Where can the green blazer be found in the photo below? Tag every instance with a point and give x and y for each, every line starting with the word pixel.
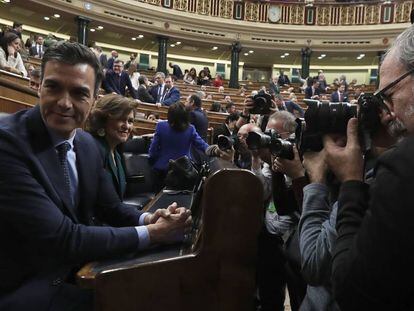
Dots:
pixel 115 169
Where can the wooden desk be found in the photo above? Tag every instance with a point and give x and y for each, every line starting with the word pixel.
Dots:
pixel 215 273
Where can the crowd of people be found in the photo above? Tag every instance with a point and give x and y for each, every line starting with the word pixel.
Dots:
pixel 335 220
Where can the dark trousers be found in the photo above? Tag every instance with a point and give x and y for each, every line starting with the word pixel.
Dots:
pixel 274 273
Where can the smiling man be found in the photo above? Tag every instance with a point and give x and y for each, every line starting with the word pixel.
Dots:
pixel 55 193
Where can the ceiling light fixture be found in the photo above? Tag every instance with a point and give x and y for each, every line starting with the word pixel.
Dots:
pixel 282 56
pixel 286 54
pixel 246 54
pixel 133 38
pixel 56 15
pixel 251 51
pixel 93 29
pixel 214 48
pixel 100 27
pixel 140 36
pixel 87 6
pixel 178 43
pixel 46 18
pixel 172 45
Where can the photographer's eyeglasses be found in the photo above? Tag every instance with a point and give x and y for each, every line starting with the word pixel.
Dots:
pixel 381 93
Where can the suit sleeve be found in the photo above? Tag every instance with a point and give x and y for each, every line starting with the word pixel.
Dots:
pixel 35 218
pixel 373 257
pixel 197 141
pixel 107 84
pixel 145 96
pixel 317 235
pixel 32 51
pixel 154 149
pixel 173 98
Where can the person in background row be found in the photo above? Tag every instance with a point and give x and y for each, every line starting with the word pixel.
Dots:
pixel 10 59
pixel 177 72
pixel 283 79
pixel 38 49
pixel 191 76
pixel 171 93
pixel 34 82
pixel 132 60
pixel 143 94
pixel 218 81
pixel 197 116
pixel 110 63
pixel 17 29
pixel 116 80
pixel 203 79
pixel 110 123
pixel 133 75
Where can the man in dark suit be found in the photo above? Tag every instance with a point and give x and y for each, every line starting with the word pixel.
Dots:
pixel 283 79
pixel 142 93
pixel 55 193
pixel 171 94
pixel 197 117
pixel 339 96
pixel 111 60
pixel 373 254
pixel 312 91
pixel 116 80
pixel 101 57
pixel 177 72
pixel 38 49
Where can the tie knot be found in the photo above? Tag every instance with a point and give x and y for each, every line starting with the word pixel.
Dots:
pixel 63 149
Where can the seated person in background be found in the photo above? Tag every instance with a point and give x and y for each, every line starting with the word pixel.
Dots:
pixel 283 79
pixel 215 107
pixel 274 87
pixel 203 79
pixel 143 94
pixel 339 96
pixel 132 60
pixel 153 117
pixel 209 97
pixel 38 49
pixel 171 93
pixel 231 108
pixel 221 89
pixel 173 139
pixel 55 194
pixel 34 82
pixel 133 75
pixel 227 99
pixel 242 91
pixel 110 123
pixel 190 77
pixel 293 107
pixel 218 81
pixel 228 128
pixel 312 91
pixel 116 80
pixel 10 59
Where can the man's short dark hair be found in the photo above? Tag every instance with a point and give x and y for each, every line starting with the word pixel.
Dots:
pixel 178 117
pixel 196 100
pixel 117 61
pixel 17 25
pixel 73 54
pixel 35 73
pixel 141 79
pixel 229 105
pixel 232 117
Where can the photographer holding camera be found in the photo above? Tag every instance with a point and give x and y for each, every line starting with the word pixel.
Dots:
pixel 275 270
pixel 372 260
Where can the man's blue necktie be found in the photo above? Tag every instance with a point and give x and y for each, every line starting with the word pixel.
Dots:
pixel 63 160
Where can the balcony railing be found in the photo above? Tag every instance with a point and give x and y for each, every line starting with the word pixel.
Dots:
pixel 310 12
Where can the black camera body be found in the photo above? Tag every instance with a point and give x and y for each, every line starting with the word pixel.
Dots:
pixel 227 142
pixel 278 147
pixel 262 103
pixel 332 118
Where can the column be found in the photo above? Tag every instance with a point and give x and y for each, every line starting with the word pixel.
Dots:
pixel 234 69
pixel 306 56
pixel 83 23
pixel 162 54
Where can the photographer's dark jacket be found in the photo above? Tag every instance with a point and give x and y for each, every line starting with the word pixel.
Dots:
pixel 374 254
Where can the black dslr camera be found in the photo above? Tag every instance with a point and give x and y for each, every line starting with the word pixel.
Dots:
pixel 279 147
pixel 226 142
pixel 329 118
pixel 262 103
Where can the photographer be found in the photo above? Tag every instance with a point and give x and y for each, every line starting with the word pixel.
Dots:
pixel 372 260
pixel 275 270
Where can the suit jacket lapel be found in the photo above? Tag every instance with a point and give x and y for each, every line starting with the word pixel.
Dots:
pixel 47 155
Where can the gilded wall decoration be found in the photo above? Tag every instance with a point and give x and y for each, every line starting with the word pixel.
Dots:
pixel 297 14
pixel 322 15
pixel 203 7
pixel 372 14
pixel 347 15
pixel 226 8
pixel 251 11
pixel 180 5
